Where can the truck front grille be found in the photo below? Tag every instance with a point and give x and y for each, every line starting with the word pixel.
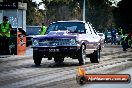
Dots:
pixel 54 42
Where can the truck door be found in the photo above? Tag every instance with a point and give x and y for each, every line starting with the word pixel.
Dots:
pixel 95 37
pixel 89 37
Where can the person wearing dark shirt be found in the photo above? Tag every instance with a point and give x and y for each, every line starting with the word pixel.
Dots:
pixel 113 36
pixel 5 28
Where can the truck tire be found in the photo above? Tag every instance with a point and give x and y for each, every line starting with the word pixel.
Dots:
pixel 82 55
pixel 58 59
pixel 95 57
pixel 37 57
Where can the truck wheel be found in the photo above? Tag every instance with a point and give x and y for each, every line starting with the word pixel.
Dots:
pixel 58 59
pixel 37 57
pixel 82 55
pixel 83 80
pixel 95 57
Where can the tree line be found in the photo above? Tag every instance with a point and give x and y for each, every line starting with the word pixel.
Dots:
pixel 100 13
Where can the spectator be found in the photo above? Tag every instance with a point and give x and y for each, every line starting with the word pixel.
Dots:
pixel 113 36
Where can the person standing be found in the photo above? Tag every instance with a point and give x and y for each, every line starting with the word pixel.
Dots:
pixel 43 29
pixel 126 42
pixel 5 28
pixel 113 36
pixel 130 42
pixel 120 35
pixel 120 31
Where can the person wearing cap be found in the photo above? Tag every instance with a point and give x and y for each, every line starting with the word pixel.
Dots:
pixel 43 29
pixel 5 28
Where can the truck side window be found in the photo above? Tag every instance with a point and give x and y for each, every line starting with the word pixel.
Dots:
pixel 95 31
pixel 88 29
pixel 92 31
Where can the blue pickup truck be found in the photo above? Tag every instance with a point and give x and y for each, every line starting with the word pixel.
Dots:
pixel 75 39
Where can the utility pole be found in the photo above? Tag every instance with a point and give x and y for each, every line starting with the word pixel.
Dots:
pixel 84 10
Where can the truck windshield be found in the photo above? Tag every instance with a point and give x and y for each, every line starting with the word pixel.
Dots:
pixel 72 27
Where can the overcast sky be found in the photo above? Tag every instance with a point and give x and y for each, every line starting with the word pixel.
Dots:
pixel 37 1
pixel 42 6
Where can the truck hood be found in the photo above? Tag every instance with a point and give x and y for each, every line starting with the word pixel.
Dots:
pixel 58 34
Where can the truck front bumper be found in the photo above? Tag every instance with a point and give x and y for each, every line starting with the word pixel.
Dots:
pixel 62 51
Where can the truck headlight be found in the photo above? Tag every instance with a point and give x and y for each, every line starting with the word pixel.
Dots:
pixel 35 42
pixel 72 41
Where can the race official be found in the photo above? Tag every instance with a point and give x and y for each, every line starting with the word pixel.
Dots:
pixel 5 28
pixel 43 29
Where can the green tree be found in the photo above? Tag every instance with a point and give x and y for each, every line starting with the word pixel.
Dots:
pixel 123 15
pixel 98 12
